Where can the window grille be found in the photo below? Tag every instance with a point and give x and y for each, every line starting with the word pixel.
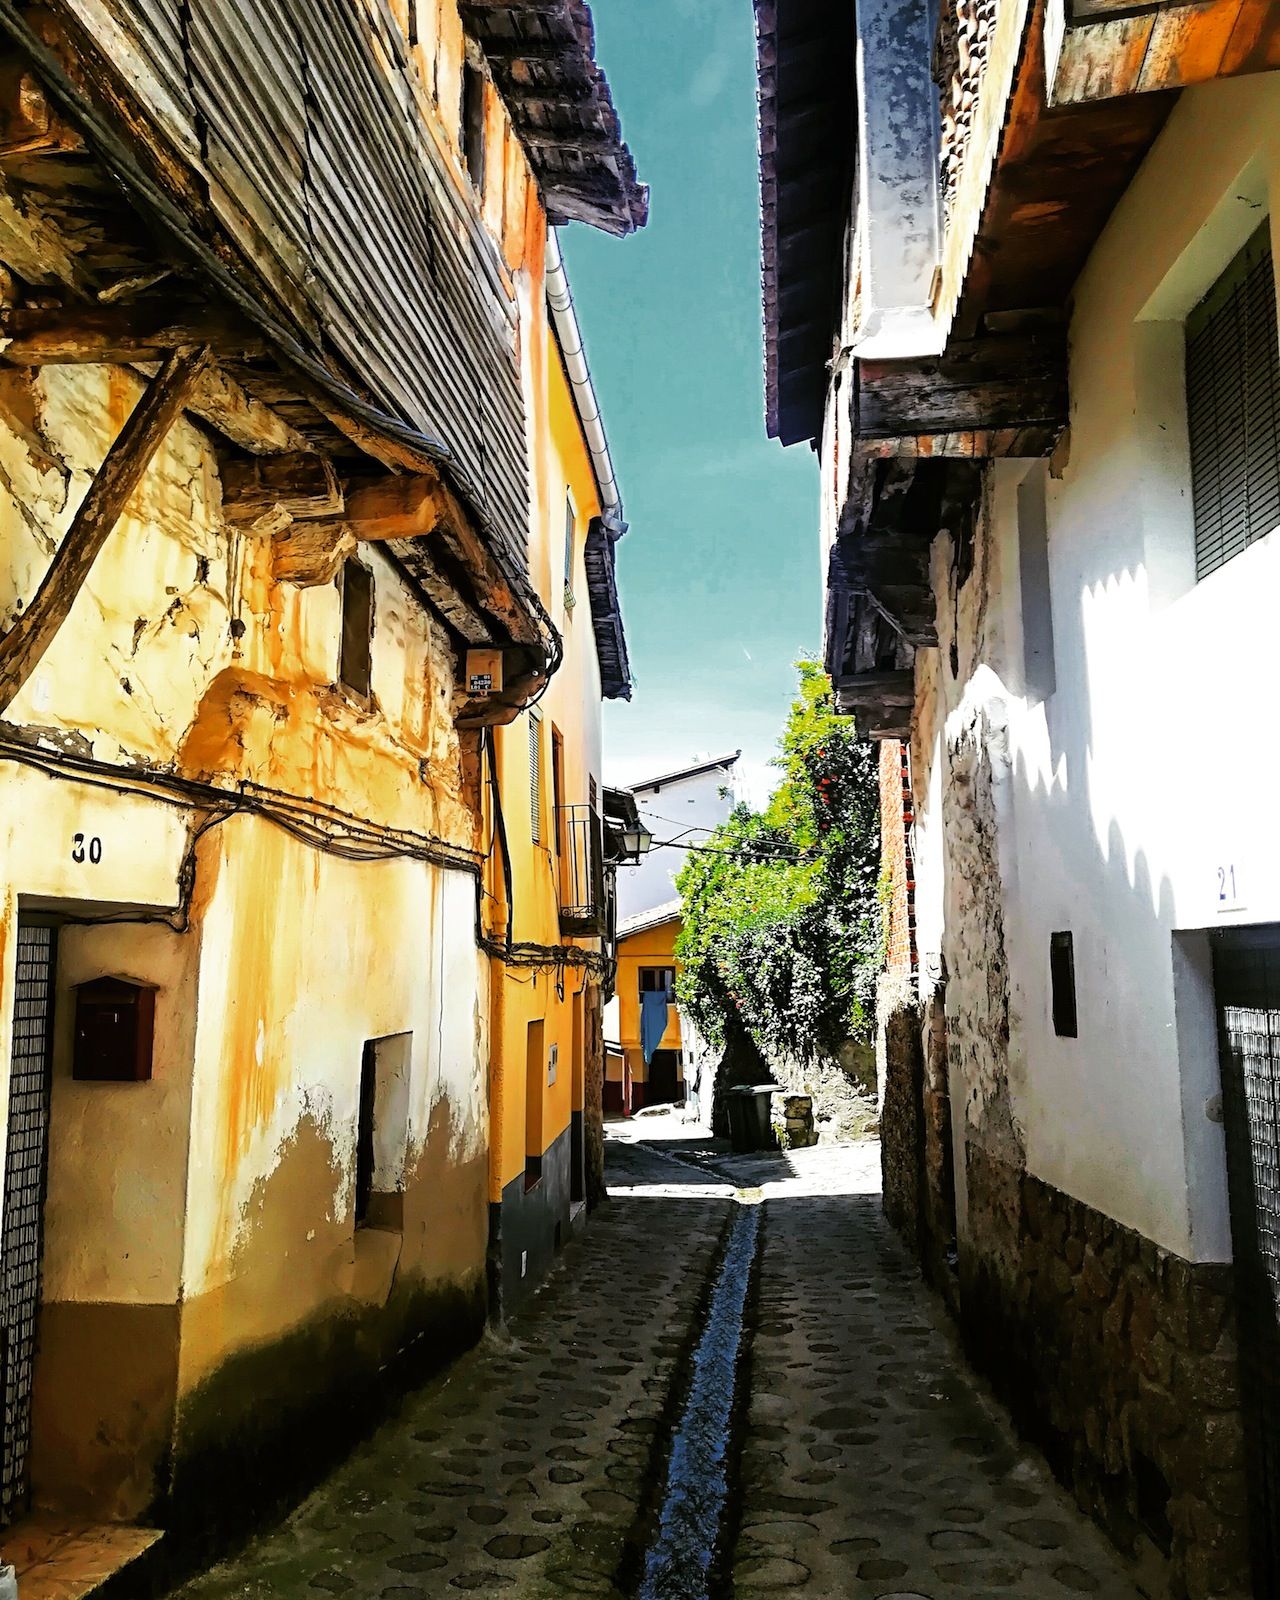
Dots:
pixel 535 776
pixel 1233 408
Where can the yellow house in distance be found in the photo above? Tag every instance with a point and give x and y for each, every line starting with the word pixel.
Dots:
pixel 645 987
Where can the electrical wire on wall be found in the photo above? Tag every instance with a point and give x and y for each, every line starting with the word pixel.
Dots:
pixel 553 958
pixel 312 822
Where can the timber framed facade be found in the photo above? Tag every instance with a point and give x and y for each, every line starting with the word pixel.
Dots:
pixel 279 413
pixel 1048 521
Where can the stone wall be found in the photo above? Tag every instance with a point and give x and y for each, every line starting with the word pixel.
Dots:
pixel 897 871
pixel 900 1068
pixel 915 1128
pixel 1118 1360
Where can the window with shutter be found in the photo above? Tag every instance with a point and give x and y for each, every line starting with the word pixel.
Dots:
pixel 535 776
pixel 1233 408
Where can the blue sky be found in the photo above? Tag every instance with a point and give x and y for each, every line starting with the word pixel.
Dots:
pixel 719 573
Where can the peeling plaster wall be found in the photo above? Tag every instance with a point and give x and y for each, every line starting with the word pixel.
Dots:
pixel 271 1235
pixel 195 1220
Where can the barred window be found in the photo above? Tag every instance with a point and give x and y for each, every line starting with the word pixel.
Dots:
pixel 1233 408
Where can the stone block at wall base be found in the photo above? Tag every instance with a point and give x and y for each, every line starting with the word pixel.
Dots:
pixel 1118 1360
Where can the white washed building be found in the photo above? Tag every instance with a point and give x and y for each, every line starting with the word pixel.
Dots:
pixel 1051 487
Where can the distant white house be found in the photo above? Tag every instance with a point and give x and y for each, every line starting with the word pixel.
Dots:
pixel 680 809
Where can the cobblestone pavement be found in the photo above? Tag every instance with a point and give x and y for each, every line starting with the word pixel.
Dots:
pixel 872 1468
pixel 521 1472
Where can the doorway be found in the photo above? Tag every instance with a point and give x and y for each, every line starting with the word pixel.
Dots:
pixel 664 1086
pixel 25 1172
pixel 534 1081
pixel 1246 979
pixel 578 1103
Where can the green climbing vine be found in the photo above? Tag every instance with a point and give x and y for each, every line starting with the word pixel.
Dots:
pixel 781 913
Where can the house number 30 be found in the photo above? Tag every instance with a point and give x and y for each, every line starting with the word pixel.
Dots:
pixel 83 849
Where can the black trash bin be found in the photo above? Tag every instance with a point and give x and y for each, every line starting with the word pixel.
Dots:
pixel 750 1123
pixel 736 1108
pixel 759 1115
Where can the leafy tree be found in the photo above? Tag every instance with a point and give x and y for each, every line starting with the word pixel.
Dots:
pixel 781 934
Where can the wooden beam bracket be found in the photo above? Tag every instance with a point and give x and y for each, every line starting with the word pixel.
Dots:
pixel 25 643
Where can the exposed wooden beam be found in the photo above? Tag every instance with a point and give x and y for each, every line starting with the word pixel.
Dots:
pixel 136 331
pixel 261 489
pixel 409 506
pixel 584 141
pixel 420 504
pixel 311 553
pixel 977 387
pixel 25 643
pixel 28 123
pixel 441 591
pixel 894 687
pixel 220 402
pixel 1108 49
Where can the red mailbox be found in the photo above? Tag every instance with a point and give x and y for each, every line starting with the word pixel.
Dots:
pixel 115 1028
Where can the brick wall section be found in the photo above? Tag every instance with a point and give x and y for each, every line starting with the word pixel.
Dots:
pixel 895 857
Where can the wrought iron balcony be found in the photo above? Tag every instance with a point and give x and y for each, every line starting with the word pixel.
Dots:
pixel 581 863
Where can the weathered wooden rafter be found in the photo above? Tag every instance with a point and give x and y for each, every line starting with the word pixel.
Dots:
pixel 399 510
pixel 138 330
pixel 88 283
pixel 1003 394
pixel 1109 48
pixel 26 641
pixel 277 489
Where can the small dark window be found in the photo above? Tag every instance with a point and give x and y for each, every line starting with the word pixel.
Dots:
pixel 355 662
pixel 570 526
pixel 657 980
pixel 364 1131
pixel 473 123
pixel 535 776
pixel 1062 980
pixel 1033 570
pixel 1233 408
pixel 557 787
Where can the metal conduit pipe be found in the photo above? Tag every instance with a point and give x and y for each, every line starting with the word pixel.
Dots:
pixel 565 319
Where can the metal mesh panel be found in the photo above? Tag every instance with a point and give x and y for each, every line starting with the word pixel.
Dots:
pixel 1247 978
pixel 24 1187
pixel 1233 408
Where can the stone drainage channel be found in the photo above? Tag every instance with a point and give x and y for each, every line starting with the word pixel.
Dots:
pixel 688 1534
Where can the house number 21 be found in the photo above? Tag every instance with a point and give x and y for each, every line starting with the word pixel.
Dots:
pixel 1228 892
pixel 83 849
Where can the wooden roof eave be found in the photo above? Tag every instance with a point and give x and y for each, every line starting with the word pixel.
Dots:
pixel 541 54
pixel 167 303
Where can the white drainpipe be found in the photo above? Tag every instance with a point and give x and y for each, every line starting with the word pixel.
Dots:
pixel 565 318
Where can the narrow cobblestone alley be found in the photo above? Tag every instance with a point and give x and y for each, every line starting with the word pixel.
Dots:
pixel 870 1467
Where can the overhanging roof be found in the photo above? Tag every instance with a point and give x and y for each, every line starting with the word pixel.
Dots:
pixel 654 917
pixel 606 611
pixel 805 66
pixel 708 765
pixel 542 57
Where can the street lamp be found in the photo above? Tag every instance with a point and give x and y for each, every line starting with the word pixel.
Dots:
pixel 636 841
